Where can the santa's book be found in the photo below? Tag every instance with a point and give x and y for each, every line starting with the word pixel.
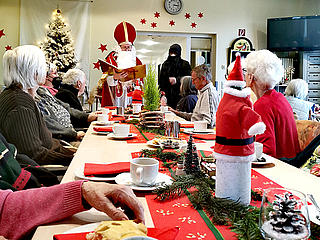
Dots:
pixel 136 72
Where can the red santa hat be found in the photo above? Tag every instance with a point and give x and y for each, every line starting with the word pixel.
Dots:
pixel 236 80
pixel 125 33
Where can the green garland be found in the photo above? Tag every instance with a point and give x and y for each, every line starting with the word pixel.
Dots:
pixel 243 220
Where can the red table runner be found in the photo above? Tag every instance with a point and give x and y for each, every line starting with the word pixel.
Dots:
pixel 195 224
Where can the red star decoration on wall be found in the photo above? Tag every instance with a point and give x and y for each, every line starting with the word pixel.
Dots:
pixel 96 65
pixel 1 33
pixel 187 15
pixel 143 21
pixel 172 23
pixel 200 15
pixel 154 24
pixel 103 47
pixel 156 14
pixel 193 25
pixel 8 47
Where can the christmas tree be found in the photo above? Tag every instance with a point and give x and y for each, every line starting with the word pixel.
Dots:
pixel 151 90
pixel 57 45
pixel 191 162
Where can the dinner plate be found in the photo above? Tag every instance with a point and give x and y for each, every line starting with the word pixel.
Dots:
pixel 101 123
pixel 192 131
pixel 125 179
pixel 80 175
pixel 131 135
pixel 313 213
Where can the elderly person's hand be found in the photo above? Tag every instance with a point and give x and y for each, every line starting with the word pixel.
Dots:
pixel 107 197
pixel 93 116
pixel 172 110
pixel 80 135
pixel 3 238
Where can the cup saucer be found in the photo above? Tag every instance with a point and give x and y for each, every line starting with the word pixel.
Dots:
pixel 125 179
pixel 130 135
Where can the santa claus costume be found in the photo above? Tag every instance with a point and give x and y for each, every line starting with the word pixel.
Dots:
pixel 113 91
pixel 236 125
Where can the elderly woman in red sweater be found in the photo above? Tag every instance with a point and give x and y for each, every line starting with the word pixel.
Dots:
pixel 264 71
pixel 23 211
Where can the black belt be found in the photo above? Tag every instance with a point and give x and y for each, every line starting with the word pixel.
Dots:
pixel 234 142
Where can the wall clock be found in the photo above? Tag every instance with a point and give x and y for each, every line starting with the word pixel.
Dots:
pixel 173 6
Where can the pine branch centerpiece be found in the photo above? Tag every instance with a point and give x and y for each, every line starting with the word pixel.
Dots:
pixel 152 118
pixel 58 44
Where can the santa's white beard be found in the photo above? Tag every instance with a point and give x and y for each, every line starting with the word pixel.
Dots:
pixel 126 59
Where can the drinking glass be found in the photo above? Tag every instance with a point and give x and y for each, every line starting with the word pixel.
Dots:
pixel 284 215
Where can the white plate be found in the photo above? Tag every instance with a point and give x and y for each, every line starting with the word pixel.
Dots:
pixel 101 133
pixel 100 123
pixel 80 175
pixel 192 131
pixel 313 213
pixel 131 135
pixel 92 226
pixel 125 179
pixel 268 161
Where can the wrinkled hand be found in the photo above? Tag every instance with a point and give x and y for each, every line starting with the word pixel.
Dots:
pixel 93 116
pixel 172 80
pixel 107 197
pixel 80 135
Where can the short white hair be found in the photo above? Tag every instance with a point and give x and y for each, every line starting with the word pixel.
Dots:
pixel 266 67
pixel 72 76
pixel 25 65
pixel 297 88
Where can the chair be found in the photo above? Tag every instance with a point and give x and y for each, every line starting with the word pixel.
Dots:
pixel 307 131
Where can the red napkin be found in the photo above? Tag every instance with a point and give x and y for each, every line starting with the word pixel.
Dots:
pixel 186 125
pixel 205 136
pixel 110 107
pixel 105 169
pixel 117 118
pixel 167 233
pixel 103 129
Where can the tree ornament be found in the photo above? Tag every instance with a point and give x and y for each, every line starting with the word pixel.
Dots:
pixel 57 45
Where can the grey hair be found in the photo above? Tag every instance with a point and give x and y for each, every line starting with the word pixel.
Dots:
pixel 297 88
pixel 72 76
pixel 203 70
pixel 186 87
pixel 25 65
pixel 266 67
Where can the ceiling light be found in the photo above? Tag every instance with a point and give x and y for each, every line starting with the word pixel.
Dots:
pixel 140 56
pixel 143 50
pixel 149 42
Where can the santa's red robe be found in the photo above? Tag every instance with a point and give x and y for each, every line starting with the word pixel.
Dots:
pixel 107 95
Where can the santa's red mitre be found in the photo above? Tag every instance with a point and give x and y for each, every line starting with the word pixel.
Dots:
pixel 125 33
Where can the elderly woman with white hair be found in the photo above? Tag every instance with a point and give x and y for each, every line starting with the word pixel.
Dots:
pixel 21 122
pixel 73 85
pixel 296 93
pixel 264 71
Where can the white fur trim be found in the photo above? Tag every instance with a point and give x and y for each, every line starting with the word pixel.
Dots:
pixel 238 93
pixel 257 128
pixel 238 54
pixel 235 83
pixel 229 158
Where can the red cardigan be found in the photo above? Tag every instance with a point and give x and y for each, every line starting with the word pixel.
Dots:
pixel 280 138
pixel 22 211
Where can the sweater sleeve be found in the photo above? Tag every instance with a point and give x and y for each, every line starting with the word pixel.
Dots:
pixel 268 137
pixel 24 133
pixel 24 210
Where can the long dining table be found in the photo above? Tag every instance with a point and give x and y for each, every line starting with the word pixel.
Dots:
pixel 96 148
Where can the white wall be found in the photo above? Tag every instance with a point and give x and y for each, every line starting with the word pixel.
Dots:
pixel 223 18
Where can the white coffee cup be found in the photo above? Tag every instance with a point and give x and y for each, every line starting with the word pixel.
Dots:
pixel 136 107
pixel 144 171
pixel 121 129
pixel 105 110
pixel 258 149
pixel 103 117
pixel 200 125
pixel 164 108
